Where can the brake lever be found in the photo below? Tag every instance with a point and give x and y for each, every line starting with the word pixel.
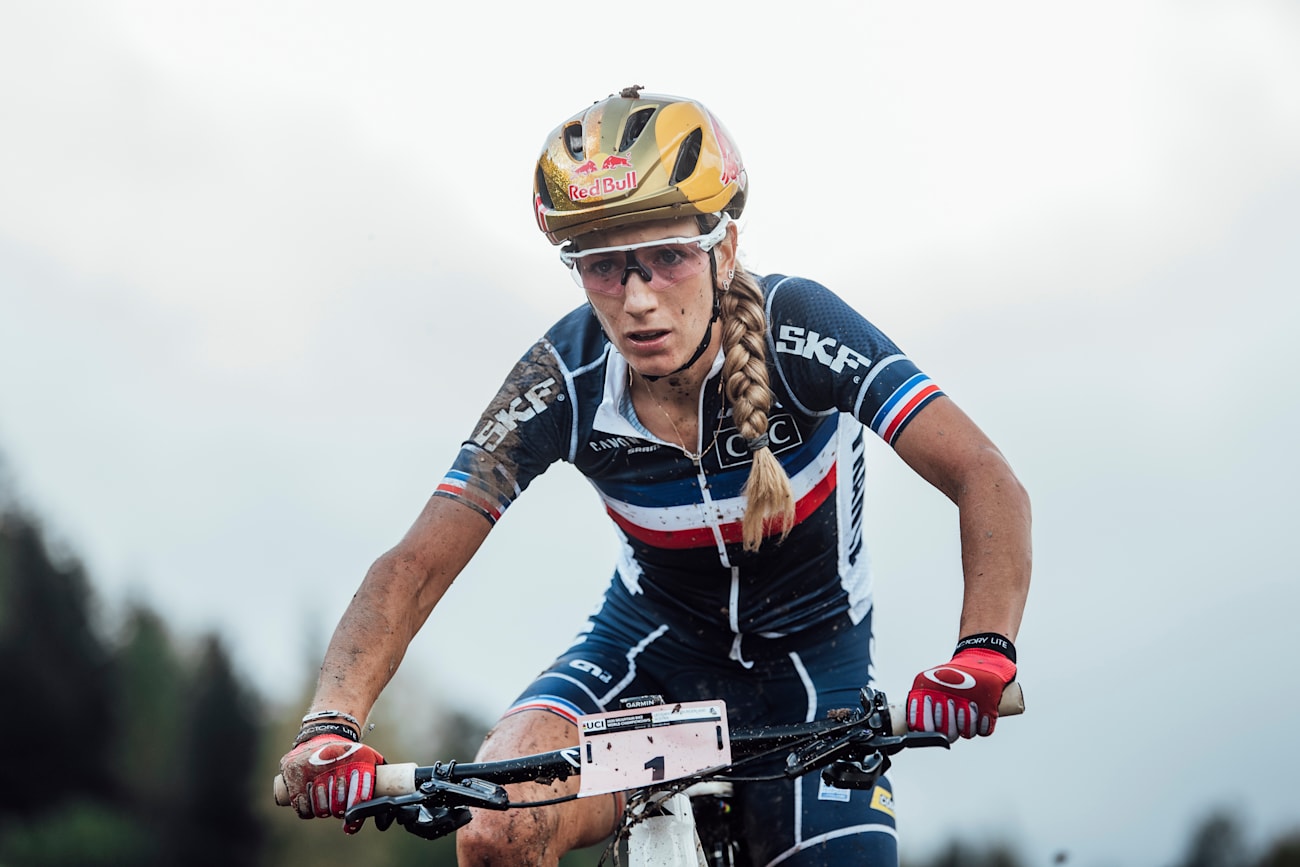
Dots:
pixel 424 820
pixel 435 810
pixel 381 809
pixel 471 792
pixel 909 740
pixel 859 756
pixel 817 753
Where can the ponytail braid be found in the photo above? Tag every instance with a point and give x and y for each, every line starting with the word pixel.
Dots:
pixel 770 505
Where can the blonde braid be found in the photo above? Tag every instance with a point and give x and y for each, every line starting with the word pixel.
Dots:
pixel 744 323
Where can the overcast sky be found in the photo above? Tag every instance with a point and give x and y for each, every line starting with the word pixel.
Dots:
pixel 262 265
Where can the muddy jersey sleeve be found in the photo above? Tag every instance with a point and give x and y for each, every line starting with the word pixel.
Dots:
pixel 519 435
pixel 830 358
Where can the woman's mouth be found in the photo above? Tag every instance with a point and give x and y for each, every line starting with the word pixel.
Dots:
pixel 642 337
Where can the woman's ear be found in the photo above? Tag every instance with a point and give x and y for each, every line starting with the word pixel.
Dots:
pixel 727 251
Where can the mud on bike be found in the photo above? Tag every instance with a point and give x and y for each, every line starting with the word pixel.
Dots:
pixel 676 764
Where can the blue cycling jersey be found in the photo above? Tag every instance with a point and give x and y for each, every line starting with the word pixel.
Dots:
pixel 832 373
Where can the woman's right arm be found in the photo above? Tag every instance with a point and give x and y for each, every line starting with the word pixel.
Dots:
pixel 517 437
pixel 392 604
pixel 328 769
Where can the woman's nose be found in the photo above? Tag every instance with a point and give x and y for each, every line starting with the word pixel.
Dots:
pixel 638 297
pixel 635 266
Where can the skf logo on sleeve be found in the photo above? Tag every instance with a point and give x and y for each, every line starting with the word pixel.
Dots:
pixel 793 340
pixel 522 408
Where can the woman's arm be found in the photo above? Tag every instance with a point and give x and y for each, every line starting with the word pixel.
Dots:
pixel 393 602
pixel 946 448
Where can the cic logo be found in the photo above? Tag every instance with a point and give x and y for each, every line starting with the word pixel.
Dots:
pixel 782 433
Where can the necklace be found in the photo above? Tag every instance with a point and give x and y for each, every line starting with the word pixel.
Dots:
pixel 695 457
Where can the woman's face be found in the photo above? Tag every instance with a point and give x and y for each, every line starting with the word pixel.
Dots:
pixel 654 302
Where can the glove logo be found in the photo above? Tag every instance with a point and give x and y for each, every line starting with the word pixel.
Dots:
pixel 318 758
pixel 963 679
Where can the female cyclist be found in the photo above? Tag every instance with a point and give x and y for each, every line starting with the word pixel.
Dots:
pixel 722 418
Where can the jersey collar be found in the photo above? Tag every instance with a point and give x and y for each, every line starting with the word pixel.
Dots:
pixel 615 414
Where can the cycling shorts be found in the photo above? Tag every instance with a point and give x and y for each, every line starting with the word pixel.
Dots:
pixel 631 649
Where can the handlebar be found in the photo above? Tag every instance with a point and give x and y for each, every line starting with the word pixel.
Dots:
pixel 1012 703
pixel 820 743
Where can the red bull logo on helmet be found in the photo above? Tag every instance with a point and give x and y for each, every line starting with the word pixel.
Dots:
pixel 603 186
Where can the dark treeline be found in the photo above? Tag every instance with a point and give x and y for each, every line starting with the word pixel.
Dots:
pixel 130 746
pixel 118 744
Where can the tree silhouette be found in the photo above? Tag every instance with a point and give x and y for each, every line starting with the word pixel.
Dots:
pixel 219 747
pixel 53 673
pixel 1217 841
pixel 133 751
pixel 1283 852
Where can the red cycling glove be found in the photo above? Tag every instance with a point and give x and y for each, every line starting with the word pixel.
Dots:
pixel 960 698
pixel 327 774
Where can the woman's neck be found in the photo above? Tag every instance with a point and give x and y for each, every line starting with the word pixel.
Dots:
pixel 669 407
pixel 677 390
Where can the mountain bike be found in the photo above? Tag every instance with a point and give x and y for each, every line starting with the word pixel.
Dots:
pixel 676 763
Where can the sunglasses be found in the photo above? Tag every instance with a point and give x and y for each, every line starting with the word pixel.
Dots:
pixel 662 263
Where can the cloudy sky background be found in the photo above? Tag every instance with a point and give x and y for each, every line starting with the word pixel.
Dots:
pixel 262 264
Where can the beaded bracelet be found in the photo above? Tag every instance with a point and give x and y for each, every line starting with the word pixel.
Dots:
pixel 331 714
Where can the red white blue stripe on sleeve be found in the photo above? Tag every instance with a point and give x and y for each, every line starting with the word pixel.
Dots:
pixel 552 703
pixel 459 485
pixel 902 405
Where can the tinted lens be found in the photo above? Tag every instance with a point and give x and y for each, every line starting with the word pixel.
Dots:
pixel 606 272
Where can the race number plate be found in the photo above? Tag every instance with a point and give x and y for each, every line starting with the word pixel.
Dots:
pixel 628 749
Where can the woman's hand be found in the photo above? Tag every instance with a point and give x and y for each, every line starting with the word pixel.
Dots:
pixel 327 774
pixel 960 698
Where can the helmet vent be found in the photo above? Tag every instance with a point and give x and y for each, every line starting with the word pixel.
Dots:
pixel 573 141
pixel 544 192
pixel 688 156
pixel 635 126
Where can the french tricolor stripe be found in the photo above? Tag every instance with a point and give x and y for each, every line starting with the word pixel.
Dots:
pixel 732 531
pixel 723 485
pixel 456 484
pixel 552 703
pixel 692 525
pixel 902 405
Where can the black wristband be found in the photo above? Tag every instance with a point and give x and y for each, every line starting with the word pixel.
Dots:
pixel 309 732
pixel 988 641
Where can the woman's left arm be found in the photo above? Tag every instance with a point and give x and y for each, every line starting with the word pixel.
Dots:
pixel 949 450
pixel 960 697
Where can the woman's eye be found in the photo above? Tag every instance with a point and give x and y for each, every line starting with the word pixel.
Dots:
pixel 668 256
pixel 599 267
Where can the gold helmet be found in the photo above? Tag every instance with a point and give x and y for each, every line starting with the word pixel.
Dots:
pixel 632 158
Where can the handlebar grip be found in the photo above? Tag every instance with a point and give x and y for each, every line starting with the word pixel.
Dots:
pixel 394 779
pixel 1011 704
